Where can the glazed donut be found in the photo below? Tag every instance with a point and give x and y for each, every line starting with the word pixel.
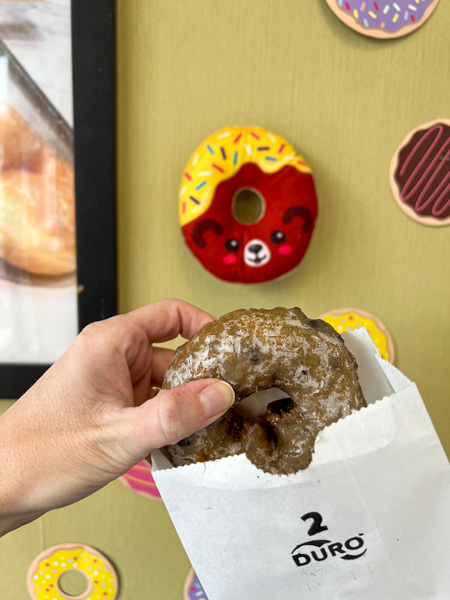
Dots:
pixel 383 19
pixel 46 570
pixel 20 147
pixel 247 158
pixel 37 225
pixel 259 349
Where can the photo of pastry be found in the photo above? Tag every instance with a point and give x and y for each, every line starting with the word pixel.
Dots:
pixel 37 183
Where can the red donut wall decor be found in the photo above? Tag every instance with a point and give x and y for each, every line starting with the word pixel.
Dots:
pixel 233 161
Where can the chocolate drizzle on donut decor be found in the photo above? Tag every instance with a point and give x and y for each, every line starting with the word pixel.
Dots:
pixel 422 174
pixel 255 350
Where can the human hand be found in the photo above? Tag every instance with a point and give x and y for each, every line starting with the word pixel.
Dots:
pixel 89 418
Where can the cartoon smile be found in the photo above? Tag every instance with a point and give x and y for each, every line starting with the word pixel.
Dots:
pixel 257 259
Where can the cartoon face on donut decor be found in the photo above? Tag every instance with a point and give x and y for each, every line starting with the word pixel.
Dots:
pixel 227 165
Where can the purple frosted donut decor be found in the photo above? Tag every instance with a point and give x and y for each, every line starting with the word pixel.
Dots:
pixel 193 589
pixel 383 19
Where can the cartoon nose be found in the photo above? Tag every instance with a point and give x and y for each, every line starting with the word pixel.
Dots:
pixel 255 248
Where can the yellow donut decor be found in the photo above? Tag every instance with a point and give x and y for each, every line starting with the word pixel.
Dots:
pixel 46 570
pixel 247 160
pixel 346 319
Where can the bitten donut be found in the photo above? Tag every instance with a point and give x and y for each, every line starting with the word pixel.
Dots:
pixel 383 19
pixel 255 350
pixel 420 174
pixel 37 224
pixel 237 159
pixel 46 570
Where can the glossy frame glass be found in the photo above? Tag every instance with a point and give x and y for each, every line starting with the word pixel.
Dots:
pixel 93 62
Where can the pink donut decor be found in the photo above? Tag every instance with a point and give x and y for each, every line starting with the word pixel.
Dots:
pixel 140 479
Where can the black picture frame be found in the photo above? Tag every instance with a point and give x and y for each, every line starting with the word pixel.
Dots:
pixel 93 63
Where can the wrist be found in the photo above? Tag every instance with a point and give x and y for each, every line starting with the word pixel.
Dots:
pixel 17 496
pixel 17 503
pixel 10 522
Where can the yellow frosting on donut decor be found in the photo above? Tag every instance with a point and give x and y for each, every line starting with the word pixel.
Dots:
pixel 221 155
pixel 100 576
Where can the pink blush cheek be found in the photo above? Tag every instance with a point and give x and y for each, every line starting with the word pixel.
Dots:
pixel 285 249
pixel 229 259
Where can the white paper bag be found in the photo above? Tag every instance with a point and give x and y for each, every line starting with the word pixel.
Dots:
pixel 368 520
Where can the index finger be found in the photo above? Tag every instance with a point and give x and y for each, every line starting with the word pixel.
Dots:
pixel 165 320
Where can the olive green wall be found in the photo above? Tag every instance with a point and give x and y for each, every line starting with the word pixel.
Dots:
pixel 187 68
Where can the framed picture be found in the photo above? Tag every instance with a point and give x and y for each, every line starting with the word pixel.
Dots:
pixel 57 180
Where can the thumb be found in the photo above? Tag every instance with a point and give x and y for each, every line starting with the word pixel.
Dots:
pixel 174 414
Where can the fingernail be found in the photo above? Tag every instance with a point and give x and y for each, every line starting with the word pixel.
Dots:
pixel 216 398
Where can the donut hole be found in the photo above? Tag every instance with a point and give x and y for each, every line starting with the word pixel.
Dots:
pixel 248 206
pixel 74 584
pixel 256 404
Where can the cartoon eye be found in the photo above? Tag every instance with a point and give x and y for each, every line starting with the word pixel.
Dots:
pixel 277 237
pixel 232 245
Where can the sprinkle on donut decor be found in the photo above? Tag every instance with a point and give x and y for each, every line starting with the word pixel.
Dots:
pixel 420 174
pixel 235 160
pixel 46 570
pixel 383 19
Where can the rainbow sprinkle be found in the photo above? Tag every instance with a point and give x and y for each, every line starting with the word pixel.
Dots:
pixel 232 148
